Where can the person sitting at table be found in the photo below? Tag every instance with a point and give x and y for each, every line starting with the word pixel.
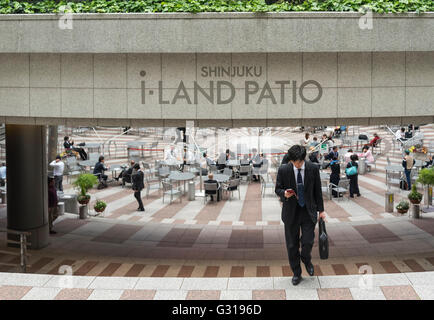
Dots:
pixel 69 145
pixel 335 176
pixel 209 161
pixel 367 154
pixel 212 192
pixel 171 153
pixel 126 174
pixel 428 163
pixel 373 142
pixel 400 134
pixel 98 170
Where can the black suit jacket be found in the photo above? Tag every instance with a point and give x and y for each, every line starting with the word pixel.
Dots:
pixel 312 191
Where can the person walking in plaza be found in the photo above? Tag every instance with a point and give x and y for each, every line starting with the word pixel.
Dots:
pixel 52 204
pixel 58 168
pixel 354 183
pixel 335 175
pixel 298 186
pixel 137 178
pixel 408 163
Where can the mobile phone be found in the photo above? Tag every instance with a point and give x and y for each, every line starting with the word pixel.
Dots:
pixel 290 191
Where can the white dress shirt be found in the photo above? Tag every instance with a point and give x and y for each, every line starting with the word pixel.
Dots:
pixel 58 167
pixel 296 172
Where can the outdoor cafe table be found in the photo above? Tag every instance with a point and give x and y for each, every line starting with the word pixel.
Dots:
pixel 181 176
pixel 233 163
pixel 394 168
pixel 219 177
pixel 87 163
pixel 91 146
pixel 116 168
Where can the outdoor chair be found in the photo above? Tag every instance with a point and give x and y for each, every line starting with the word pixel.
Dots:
pixel 326 188
pixel 246 171
pixel 266 183
pixel 231 186
pixel 211 189
pixel 151 185
pixel 169 190
pixel 212 168
pixel 342 187
pixel 227 172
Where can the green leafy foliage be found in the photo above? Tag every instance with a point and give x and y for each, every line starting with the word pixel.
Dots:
pixel 414 195
pixel 84 182
pixel 403 205
pixel 100 206
pixel 426 176
pixel 194 6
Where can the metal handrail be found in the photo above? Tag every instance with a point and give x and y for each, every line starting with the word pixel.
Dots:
pixel 23 248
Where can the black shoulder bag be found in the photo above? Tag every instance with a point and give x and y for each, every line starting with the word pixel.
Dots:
pixel 323 241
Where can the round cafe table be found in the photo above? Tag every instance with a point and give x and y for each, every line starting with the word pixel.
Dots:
pixel 219 177
pixel 181 176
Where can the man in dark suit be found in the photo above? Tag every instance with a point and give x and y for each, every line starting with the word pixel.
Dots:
pixel 217 193
pixel 298 185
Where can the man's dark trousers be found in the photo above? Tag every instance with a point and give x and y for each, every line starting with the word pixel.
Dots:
pixel 303 221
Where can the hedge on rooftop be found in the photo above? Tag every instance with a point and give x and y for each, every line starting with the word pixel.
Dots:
pixel 135 6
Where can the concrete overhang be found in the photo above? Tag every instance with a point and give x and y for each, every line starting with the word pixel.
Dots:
pixel 216 33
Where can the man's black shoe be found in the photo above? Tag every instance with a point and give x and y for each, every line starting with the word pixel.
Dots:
pixel 296 280
pixel 309 268
pixel 52 232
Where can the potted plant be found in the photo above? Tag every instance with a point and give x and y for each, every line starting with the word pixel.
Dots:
pixel 100 206
pixel 403 206
pixel 84 182
pixel 414 196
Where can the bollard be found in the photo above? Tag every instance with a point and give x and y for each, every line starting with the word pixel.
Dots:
pixel 362 165
pixel 83 212
pixel 415 211
pixel 389 202
pixel 191 191
pixel 428 195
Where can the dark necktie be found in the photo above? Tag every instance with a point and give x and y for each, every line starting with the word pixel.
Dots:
pixel 300 189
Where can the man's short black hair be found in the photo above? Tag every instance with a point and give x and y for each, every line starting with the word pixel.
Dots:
pixel 335 147
pixel 297 152
pixel 58 157
pixel 66 138
pixel 101 158
pixel 204 154
pixel 354 157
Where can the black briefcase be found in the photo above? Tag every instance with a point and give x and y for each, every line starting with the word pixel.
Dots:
pixel 323 241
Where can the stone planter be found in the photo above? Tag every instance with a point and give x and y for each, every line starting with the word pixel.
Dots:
pixel 402 211
pixel 83 212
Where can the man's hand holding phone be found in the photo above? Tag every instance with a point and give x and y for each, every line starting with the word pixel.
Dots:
pixel 289 193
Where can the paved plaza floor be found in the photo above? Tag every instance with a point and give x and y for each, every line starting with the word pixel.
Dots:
pixel 234 238
pixel 403 286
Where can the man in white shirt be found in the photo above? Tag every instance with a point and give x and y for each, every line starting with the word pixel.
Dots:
pixel 58 168
pixel 400 134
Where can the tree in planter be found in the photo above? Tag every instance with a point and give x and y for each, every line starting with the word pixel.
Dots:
pixel 84 182
pixel 414 196
pixel 426 177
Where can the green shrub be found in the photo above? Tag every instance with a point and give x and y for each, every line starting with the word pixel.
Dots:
pixel 84 182
pixel 403 205
pixel 126 6
pixel 414 195
pixel 100 205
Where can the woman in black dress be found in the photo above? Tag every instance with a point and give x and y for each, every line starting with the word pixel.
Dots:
pixel 354 184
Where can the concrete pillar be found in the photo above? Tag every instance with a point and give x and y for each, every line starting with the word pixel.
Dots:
pixel 415 211
pixel 27 191
pixel 428 195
